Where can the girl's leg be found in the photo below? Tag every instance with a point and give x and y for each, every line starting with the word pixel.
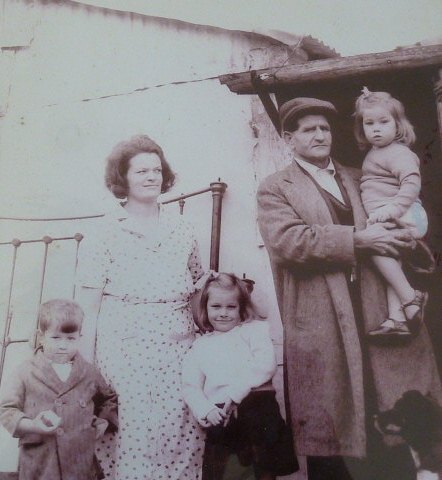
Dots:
pixel 394 305
pixel 214 461
pixel 391 270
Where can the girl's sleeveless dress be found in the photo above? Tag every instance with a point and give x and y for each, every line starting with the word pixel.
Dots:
pixel 144 328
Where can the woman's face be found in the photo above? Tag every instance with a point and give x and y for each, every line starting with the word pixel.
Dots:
pixel 144 177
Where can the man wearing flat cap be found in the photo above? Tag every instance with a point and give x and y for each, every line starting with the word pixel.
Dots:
pixel 314 227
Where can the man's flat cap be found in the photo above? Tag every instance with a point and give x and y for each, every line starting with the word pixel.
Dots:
pixel 292 110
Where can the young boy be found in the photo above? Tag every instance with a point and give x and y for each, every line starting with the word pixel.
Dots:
pixel 57 403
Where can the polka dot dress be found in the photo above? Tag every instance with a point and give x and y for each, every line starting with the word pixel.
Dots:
pixel 144 328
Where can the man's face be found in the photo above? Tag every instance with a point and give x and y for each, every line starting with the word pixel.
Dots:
pixel 312 140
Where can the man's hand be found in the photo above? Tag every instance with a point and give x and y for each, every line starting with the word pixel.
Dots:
pixel 383 239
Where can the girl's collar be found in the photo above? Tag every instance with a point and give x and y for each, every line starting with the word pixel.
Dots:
pixel 217 332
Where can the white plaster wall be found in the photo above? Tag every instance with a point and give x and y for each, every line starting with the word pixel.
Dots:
pixel 88 80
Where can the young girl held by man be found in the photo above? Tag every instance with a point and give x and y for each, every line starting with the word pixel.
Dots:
pixel 56 403
pixel 227 384
pixel 390 187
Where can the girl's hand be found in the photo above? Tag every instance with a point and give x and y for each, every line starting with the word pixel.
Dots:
pixel 204 423
pixel 382 214
pixel 216 416
pixel 46 421
pixel 230 408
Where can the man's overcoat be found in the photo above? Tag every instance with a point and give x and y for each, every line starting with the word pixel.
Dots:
pixel 324 371
pixel 68 453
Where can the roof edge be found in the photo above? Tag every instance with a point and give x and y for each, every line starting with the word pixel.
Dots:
pixel 315 48
pixel 272 79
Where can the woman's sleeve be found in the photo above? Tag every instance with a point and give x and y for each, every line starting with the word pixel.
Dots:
pixel 194 262
pixel 93 261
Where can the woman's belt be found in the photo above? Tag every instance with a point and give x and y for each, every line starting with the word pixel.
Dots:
pixel 135 300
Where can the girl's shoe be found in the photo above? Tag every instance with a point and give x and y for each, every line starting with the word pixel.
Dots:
pixel 415 322
pixel 390 328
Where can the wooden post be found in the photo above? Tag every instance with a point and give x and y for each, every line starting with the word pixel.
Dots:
pixel 267 102
pixel 438 92
pixel 218 189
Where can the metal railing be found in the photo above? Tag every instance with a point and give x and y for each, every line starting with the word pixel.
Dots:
pixel 16 244
pixel 217 188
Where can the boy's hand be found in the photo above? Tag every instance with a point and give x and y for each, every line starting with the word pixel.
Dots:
pixel 216 416
pixel 46 421
pixel 100 425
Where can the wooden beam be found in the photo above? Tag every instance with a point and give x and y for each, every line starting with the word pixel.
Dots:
pixel 438 93
pixel 271 79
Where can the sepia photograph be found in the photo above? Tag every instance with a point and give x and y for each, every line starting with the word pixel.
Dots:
pixel 220 240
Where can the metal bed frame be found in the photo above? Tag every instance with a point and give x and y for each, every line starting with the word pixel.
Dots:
pixel 217 188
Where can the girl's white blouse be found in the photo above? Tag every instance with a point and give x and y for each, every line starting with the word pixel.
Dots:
pixel 222 365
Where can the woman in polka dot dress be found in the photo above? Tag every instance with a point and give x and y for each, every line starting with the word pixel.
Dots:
pixel 143 267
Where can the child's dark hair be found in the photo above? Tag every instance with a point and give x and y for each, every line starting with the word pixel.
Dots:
pixel 226 281
pixel 63 315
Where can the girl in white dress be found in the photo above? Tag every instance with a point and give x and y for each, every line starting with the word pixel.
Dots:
pixel 227 384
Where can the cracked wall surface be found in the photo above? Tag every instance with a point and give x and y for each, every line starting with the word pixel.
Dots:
pixel 81 80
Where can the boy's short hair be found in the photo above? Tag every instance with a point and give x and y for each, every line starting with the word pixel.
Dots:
pixel 63 315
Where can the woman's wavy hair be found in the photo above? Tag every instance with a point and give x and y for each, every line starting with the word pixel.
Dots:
pixel 404 130
pixel 226 281
pixel 118 162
